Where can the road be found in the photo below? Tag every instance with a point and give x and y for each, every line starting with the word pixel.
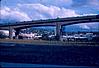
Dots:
pixel 54 55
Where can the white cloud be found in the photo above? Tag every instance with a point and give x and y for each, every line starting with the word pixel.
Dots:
pixel 87 14
pixel 11 14
pixel 84 26
pixel 94 25
pixel 50 11
pixel 25 12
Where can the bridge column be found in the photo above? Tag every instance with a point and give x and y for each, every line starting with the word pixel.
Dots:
pixel 10 32
pixel 17 31
pixel 58 31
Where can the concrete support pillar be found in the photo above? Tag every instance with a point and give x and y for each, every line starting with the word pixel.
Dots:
pixel 58 31
pixel 10 32
pixel 17 31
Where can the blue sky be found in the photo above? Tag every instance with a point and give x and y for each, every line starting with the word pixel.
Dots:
pixel 26 10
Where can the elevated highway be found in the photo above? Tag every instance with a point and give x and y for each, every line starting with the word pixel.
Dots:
pixel 52 22
pixel 58 22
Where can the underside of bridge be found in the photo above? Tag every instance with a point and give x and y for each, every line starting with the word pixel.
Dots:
pixel 58 31
pixel 54 22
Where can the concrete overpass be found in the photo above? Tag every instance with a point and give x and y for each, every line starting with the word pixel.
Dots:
pixel 58 22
